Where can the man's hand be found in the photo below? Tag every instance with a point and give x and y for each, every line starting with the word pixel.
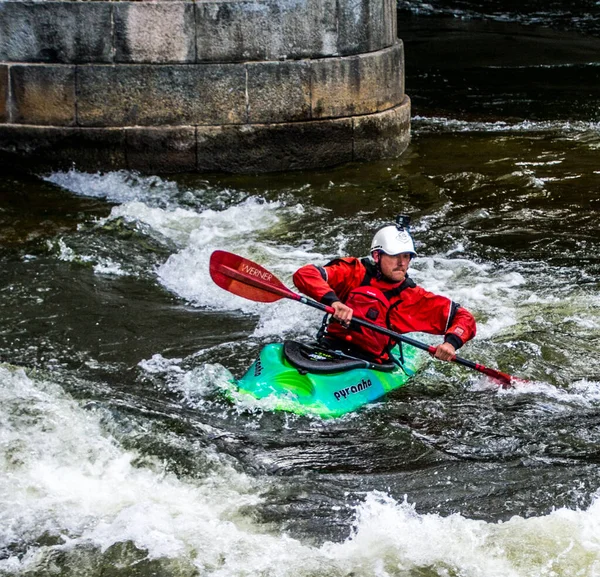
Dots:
pixel 445 352
pixel 342 313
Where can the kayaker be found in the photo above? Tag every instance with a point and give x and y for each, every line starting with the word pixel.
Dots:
pixel 379 290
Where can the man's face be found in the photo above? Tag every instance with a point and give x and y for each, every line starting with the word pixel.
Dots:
pixel 394 267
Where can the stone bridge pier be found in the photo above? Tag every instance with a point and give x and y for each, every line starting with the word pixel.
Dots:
pixel 220 85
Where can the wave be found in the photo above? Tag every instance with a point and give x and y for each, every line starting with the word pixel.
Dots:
pixel 423 124
pixel 577 16
pixel 73 497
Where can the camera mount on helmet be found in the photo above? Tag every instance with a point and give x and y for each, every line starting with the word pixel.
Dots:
pixel 395 238
pixel 403 222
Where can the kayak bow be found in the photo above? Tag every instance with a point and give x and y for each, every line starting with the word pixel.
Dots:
pixel 331 387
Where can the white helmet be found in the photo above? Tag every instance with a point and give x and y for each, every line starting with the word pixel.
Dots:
pixel 392 240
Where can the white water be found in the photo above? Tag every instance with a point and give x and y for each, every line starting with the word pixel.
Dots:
pixel 64 475
pixel 425 124
pixel 500 296
pixel 250 228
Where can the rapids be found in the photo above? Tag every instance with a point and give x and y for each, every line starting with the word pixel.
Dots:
pixel 119 452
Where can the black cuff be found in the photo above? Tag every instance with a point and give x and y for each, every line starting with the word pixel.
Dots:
pixel 453 340
pixel 329 298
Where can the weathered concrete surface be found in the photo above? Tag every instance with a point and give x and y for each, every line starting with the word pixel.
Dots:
pixel 279 91
pixel 4 112
pixel 292 29
pixel 43 94
pixel 155 95
pixel 382 135
pixel 366 26
pixel 56 32
pixel 236 31
pixel 205 94
pixel 268 148
pixel 154 32
pixel 244 148
pixel 161 149
pixel 185 31
pixel 307 29
pixel 357 84
pixel 52 148
pixel 177 85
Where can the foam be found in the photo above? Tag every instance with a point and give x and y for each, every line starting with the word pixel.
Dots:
pixel 424 124
pixel 65 475
pixel 119 187
pixel 251 226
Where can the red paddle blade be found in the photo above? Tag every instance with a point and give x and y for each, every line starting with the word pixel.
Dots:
pixel 245 278
pixel 504 379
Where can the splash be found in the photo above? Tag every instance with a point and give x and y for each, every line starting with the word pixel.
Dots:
pixel 424 124
pixel 117 187
pixel 70 495
pixel 391 538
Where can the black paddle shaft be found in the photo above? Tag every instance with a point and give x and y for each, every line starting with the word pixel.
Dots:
pixel 417 344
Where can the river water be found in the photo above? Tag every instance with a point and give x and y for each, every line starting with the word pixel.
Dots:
pixel 120 454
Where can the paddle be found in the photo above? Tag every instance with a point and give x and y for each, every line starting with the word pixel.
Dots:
pixel 247 279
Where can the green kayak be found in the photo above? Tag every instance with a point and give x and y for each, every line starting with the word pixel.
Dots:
pixel 306 379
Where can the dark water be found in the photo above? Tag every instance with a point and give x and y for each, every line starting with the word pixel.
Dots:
pixel 121 455
pixel 580 16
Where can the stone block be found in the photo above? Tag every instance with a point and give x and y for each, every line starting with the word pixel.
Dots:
pixel 161 150
pixel 391 17
pixel 156 95
pixel 278 91
pixel 384 74
pixel 235 31
pixel 336 86
pixel 43 94
pixel 4 93
pixel 154 32
pixel 364 26
pixel 309 28
pixel 239 31
pixel 384 134
pixel 55 32
pixel 357 85
pixel 56 148
pixel 274 147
